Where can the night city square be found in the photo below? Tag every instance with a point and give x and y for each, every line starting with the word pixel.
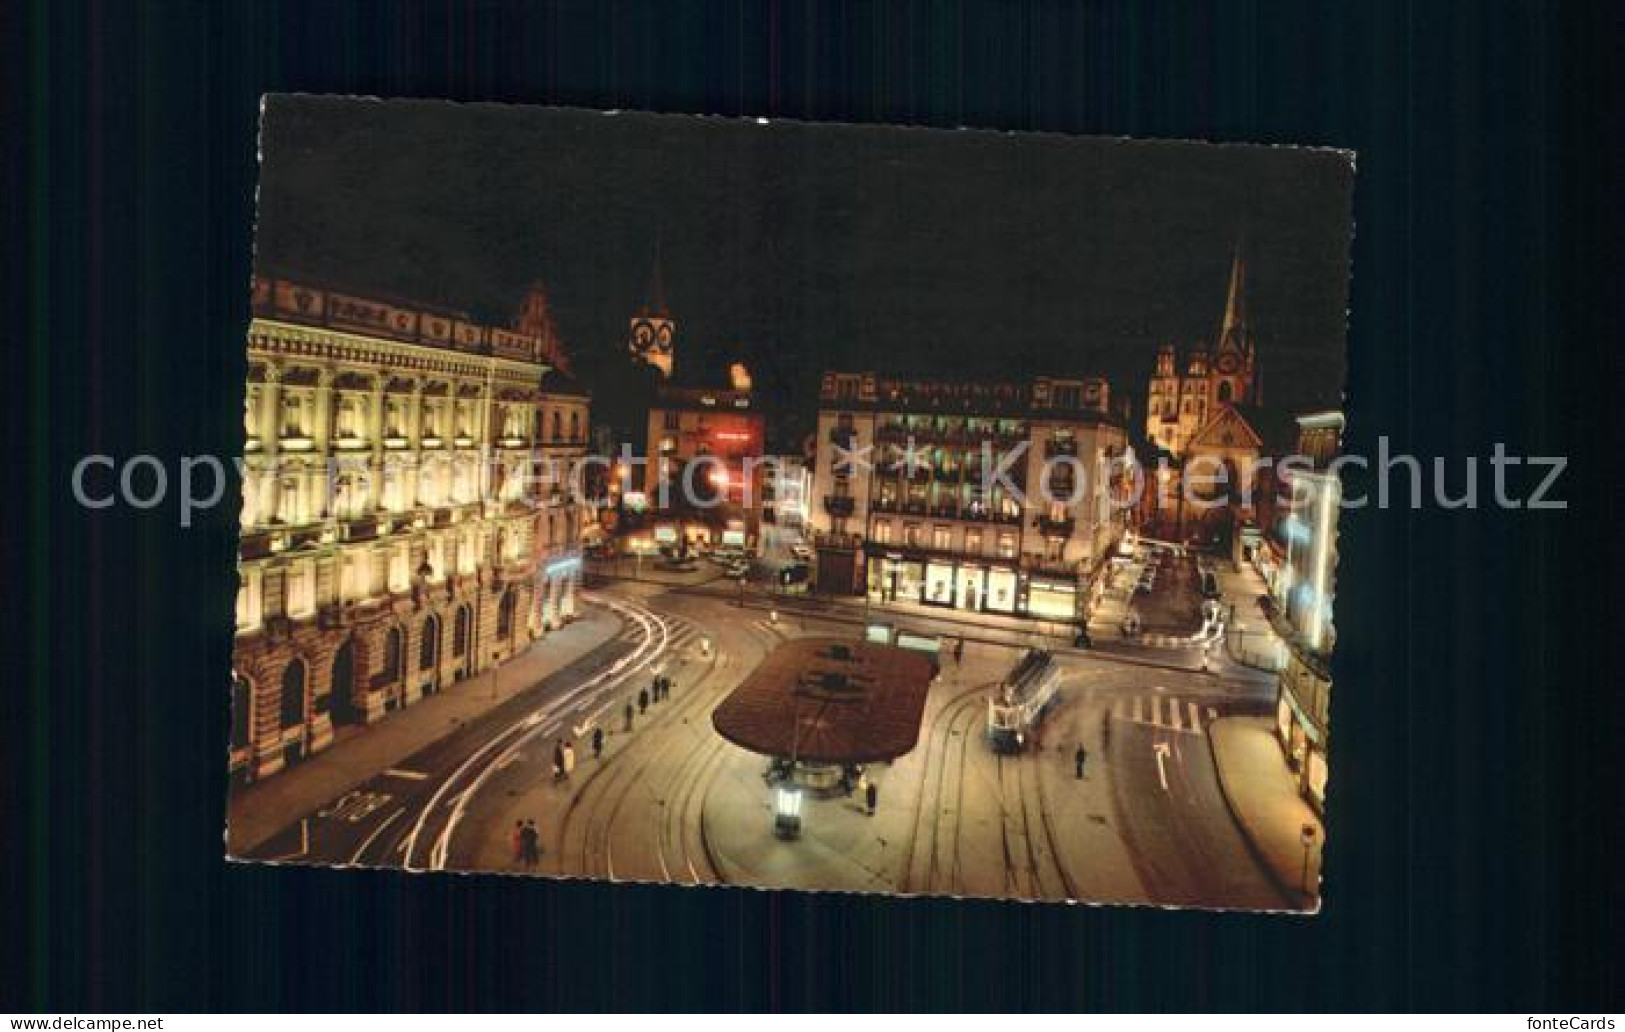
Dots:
pixel 734 502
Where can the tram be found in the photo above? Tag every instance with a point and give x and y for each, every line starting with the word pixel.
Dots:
pixel 1021 701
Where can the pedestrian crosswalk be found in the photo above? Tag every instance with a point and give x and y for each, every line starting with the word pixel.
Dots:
pixel 1171 712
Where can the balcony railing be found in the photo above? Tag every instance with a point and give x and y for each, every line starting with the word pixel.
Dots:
pixel 1053 527
pixel 1049 567
pixel 839 505
pixel 840 542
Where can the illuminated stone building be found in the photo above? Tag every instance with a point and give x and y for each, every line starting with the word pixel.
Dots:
pixel 995 498
pixel 388 546
pixel 563 514
pixel 1305 587
pixel 1179 405
pixel 706 445
pixel 1213 431
pixel 705 441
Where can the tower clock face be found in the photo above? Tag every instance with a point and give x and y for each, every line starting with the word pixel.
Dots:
pixel 664 336
pixel 642 334
pixel 1227 363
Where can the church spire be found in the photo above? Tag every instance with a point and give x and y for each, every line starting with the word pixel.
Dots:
pixel 1235 304
pixel 656 296
pixel 652 332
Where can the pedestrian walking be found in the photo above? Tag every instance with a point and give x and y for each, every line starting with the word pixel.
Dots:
pixel 629 716
pixel 597 742
pixel 863 785
pixel 531 844
pixel 643 701
pixel 517 842
pixel 1079 758
pixel 558 760
pixel 871 795
pixel 654 690
pixel 667 688
pixel 959 651
pixel 569 759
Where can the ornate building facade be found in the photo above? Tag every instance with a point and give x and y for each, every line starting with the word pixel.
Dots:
pixel 389 544
pixel 912 496
pixel 1180 404
pixel 563 515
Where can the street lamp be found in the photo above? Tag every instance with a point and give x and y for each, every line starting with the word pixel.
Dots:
pixel 787 811
pixel 1307 837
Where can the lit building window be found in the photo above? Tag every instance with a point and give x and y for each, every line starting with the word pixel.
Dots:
pixel 295 415
pixel 301 578
pixel 1007 546
pixel 399 574
pixel 883 531
pixel 347 424
pixel 248 599
pixel 355 576
pixel 289 507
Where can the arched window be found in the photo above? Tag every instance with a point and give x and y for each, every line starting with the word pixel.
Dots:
pixel 429 648
pixel 1224 391
pixel 505 615
pixel 459 637
pixel 558 425
pixel 393 647
pixel 242 711
pixel 293 694
pixel 575 426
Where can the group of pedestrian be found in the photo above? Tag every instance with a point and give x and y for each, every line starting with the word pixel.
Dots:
pixel 527 844
pixel 661 688
pixel 564 759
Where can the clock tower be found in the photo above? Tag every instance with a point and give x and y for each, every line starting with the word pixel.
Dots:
pixel 652 332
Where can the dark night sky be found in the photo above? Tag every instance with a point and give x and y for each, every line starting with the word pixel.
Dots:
pixel 803 247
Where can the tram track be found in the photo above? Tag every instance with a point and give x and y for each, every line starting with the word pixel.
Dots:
pixel 449 803
pixel 593 821
pixel 931 807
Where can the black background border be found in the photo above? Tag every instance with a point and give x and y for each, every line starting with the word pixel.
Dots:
pixel 1473 858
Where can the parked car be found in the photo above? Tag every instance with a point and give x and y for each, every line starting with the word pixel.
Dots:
pixel 1267 604
pixel 1142 588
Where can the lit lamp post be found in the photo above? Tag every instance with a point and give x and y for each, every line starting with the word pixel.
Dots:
pixel 1307 837
pixel 787 811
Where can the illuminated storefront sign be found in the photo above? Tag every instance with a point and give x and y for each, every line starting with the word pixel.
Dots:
pixel 1052 599
pixel 564 566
